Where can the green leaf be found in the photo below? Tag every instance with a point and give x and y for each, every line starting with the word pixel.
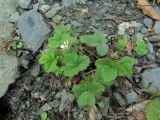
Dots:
pixel 86 99
pixel 74 63
pixel 141 47
pixel 44 116
pixel 94 40
pixel 106 75
pixel 97 40
pixel 63 28
pixel 102 49
pixel 62 33
pixel 20 44
pixel 109 75
pixel 122 44
pixel 59 39
pixel 93 87
pixel 124 66
pixel 152 109
pixel 106 72
pixel 100 63
pixel 49 61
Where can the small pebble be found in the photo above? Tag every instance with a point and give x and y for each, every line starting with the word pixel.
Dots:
pixel 139 36
pixel 24 3
pixel 148 22
pixel 144 30
pixel 46 107
pixel 119 99
pixel 57 18
pixel 158 54
pixel 44 8
pixel 42 2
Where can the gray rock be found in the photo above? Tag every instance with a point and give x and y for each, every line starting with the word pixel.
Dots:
pixel 41 2
pixel 46 107
pixel 148 22
pixel 36 70
pixel 44 8
pixel 121 32
pixel 70 3
pixel 157 9
pixel 54 104
pixel 35 95
pixel 24 62
pixel 33 29
pixel 24 3
pixel 131 97
pixel 151 57
pixel 138 27
pixel 150 79
pixel 121 101
pixel 57 18
pixel 150 48
pixel 129 13
pixel 157 27
pixel 51 13
pixel 35 7
pixel 126 36
pixel 105 109
pixel 7 8
pixel 14 17
pixel 139 36
pixel 54 9
pixel 8 71
pixel 144 30
pixel 158 54
pixel 66 99
pixel 76 24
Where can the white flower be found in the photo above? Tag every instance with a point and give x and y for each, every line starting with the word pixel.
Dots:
pixel 64 45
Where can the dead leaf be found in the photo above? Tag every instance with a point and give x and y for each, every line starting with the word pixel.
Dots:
pixel 138 107
pixel 137 116
pixel 84 11
pixel 153 30
pixel 93 113
pixel 136 111
pixel 43 97
pixel 75 80
pixel 129 47
pixel 148 9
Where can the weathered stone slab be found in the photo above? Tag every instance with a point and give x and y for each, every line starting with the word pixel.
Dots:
pixel 7 8
pixel 151 79
pixel 33 29
pixel 8 71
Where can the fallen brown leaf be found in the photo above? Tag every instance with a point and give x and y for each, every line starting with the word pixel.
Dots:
pixel 148 9
pixel 129 47
pixel 137 116
pixel 93 113
pixel 84 11
pixel 153 30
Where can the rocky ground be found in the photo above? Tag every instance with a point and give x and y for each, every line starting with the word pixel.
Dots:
pixel 34 91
